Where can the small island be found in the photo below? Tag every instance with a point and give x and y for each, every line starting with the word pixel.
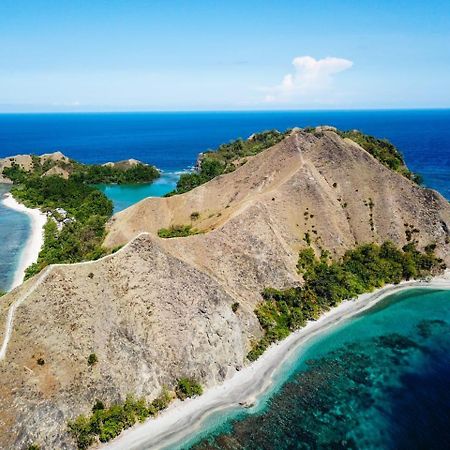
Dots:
pixel 76 210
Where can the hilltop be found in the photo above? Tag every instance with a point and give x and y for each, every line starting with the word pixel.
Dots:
pixel 57 164
pixel 162 309
pixel 54 164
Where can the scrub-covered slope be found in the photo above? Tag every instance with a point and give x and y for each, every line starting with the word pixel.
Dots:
pixel 162 309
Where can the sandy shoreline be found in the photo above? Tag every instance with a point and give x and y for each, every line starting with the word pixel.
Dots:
pixel 35 239
pixel 183 419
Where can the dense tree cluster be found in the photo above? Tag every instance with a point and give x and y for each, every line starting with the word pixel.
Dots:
pixel 106 423
pixel 97 174
pixel 361 270
pixel 87 208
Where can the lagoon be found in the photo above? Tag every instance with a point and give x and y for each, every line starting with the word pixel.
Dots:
pixel 125 195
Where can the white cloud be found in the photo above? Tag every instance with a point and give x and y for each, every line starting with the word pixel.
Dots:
pixel 311 78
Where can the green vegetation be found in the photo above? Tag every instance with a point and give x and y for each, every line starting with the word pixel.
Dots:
pixel 119 173
pixel 92 359
pixel 96 174
pixel 34 447
pixel 77 211
pixel 188 387
pixel 228 156
pixel 2 293
pixel 235 306
pixel 75 234
pixel 363 269
pixel 384 151
pixel 105 424
pixel 177 231
pixel 223 160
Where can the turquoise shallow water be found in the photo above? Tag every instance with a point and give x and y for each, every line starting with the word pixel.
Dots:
pixel 14 230
pixel 15 226
pixel 124 195
pixel 379 381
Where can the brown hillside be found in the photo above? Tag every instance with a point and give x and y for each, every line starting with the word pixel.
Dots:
pixel 160 309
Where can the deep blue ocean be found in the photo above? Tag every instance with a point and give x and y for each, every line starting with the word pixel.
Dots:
pixel 172 141
pixel 382 381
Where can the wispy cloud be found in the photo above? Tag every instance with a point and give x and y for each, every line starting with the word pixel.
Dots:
pixel 310 78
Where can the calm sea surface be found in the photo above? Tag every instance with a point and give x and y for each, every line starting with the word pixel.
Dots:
pixel 172 141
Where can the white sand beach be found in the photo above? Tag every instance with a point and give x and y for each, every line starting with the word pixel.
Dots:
pixel 35 240
pixel 182 419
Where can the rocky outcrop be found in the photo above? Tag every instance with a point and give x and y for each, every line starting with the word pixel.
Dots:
pixel 160 309
pixel 126 164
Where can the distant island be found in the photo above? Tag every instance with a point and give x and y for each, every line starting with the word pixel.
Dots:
pixel 65 191
pixel 266 241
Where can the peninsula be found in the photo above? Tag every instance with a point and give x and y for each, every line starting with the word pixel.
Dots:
pixel 60 196
pixel 269 234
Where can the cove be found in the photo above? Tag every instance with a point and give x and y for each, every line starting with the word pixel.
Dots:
pixel 125 195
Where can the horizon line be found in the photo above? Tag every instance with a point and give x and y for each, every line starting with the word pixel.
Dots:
pixel 200 111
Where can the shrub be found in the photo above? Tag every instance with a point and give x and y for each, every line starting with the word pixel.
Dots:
pixel 40 361
pixel 177 231
pixel 82 431
pixel 92 359
pixel 188 387
pixel 162 401
pixel 235 306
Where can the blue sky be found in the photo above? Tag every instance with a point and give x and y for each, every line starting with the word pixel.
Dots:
pixel 210 55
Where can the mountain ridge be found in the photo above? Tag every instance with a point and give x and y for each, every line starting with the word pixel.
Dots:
pixel 160 309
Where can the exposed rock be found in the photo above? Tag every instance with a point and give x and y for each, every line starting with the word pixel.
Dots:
pixel 126 164
pixel 326 128
pixel 55 156
pixel 198 162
